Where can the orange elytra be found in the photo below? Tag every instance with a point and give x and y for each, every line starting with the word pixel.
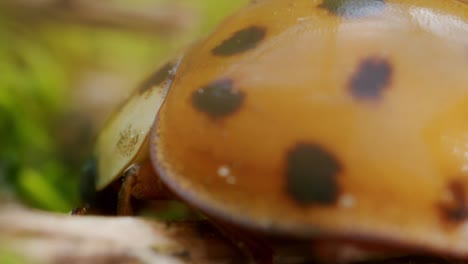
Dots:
pixel 314 119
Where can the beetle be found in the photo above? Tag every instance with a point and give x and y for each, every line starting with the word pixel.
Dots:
pixel 328 120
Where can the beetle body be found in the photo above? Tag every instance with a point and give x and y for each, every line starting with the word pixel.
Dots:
pixel 316 119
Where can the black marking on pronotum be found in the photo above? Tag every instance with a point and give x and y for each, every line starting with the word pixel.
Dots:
pixel 157 78
pixel 312 175
pixel 241 41
pixel 353 8
pixel 218 99
pixel 372 76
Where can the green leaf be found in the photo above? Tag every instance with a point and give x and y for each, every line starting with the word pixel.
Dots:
pixel 41 192
pixel 8 257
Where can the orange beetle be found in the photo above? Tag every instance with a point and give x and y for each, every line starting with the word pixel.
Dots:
pixel 330 120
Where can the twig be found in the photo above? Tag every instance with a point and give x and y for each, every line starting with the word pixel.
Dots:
pixel 157 20
pixel 54 238
pixel 57 238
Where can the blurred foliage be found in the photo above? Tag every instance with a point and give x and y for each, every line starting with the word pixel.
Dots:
pixel 7 257
pixel 40 66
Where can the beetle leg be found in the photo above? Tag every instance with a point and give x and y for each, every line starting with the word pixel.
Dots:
pixel 140 182
pixel 124 202
pixel 79 211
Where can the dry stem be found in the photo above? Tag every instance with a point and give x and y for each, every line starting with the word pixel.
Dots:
pixel 153 19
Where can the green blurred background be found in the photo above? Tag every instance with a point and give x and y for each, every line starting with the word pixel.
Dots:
pixel 63 66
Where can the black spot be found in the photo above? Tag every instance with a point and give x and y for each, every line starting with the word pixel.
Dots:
pixel 240 41
pixel 312 175
pixel 455 209
pixel 157 78
pixel 373 75
pixel 353 8
pixel 218 98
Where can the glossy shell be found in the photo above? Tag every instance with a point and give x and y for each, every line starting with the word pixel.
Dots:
pixel 310 118
pixel 125 134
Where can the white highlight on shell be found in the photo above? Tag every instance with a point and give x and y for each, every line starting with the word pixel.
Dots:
pixel 459 148
pixel 347 201
pixel 302 19
pixel 225 172
pixel 442 24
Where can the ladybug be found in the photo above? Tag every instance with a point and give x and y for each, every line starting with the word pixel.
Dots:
pixel 343 122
